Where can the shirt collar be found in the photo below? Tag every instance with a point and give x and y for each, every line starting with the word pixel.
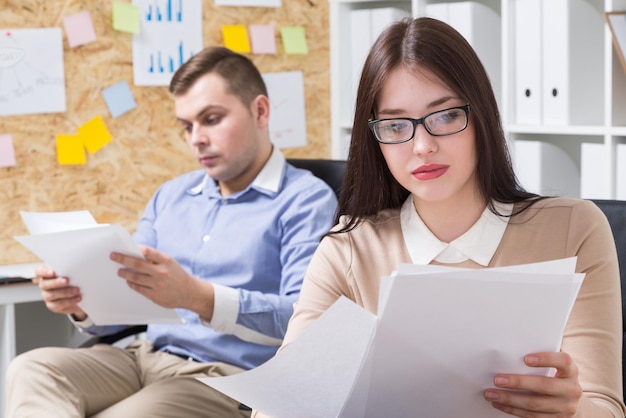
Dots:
pixel 479 243
pixel 268 179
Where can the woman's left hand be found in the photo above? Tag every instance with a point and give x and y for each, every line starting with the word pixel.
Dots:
pixel 539 396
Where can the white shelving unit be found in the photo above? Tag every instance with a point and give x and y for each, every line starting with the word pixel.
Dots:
pixel 604 101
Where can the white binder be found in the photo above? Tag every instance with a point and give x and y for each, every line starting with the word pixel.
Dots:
pixel 546 169
pixel 593 166
pixel 527 61
pixel 360 44
pixel 479 25
pixel 571 62
pixel 383 17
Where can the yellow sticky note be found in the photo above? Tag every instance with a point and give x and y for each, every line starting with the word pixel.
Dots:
pixel 125 17
pixel 294 41
pixel 236 38
pixel 70 150
pixel 94 134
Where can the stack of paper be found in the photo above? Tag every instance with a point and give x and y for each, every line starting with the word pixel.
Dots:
pixel 440 337
pixel 75 246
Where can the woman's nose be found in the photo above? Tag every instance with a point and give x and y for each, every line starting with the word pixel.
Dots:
pixel 423 142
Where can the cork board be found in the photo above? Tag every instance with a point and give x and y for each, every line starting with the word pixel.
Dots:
pixel 147 147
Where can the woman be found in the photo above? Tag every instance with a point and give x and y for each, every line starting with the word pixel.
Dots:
pixel 428 177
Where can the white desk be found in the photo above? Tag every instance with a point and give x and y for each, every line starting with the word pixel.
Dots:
pixel 9 296
pixel 25 325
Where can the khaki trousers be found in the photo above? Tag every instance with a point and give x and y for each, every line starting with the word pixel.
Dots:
pixel 110 382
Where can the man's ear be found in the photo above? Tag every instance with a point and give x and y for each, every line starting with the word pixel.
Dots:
pixel 261 110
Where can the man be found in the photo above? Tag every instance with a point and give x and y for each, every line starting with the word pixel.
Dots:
pixel 227 246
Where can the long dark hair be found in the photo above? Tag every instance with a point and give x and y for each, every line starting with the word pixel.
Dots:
pixel 430 44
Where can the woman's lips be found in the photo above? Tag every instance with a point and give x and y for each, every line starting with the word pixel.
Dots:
pixel 430 171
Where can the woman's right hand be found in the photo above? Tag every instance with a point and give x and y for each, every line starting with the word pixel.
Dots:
pixel 58 295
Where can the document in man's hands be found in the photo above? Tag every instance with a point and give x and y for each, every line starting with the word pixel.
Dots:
pixel 440 336
pixel 75 246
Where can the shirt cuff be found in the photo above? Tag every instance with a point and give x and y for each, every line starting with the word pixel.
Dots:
pixel 225 314
pixel 225 309
pixel 81 325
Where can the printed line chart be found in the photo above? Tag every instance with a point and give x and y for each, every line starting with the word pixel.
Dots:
pixel 170 33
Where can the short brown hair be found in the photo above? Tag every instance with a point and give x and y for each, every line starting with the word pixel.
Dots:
pixel 241 75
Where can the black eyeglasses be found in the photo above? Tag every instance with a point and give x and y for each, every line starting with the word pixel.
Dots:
pixel 440 123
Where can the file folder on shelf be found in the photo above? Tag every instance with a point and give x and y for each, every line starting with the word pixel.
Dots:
pixel 571 65
pixel 527 62
pixel 546 169
pixel 480 25
pixel 593 175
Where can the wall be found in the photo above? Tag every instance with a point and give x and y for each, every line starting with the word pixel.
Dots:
pixel 147 146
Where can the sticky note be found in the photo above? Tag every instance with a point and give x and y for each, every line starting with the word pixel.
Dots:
pixel 94 134
pixel 70 150
pixel 119 98
pixel 236 38
pixel 7 152
pixel 79 29
pixel 262 39
pixel 294 41
pixel 125 17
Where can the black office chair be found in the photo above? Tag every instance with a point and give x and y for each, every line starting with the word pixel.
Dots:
pixel 615 211
pixel 331 171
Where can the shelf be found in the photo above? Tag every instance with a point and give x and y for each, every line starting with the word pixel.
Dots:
pixel 587 103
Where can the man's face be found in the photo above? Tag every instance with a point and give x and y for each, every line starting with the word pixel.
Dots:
pixel 223 134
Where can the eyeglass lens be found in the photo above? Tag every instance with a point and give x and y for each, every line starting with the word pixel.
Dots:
pixel 444 122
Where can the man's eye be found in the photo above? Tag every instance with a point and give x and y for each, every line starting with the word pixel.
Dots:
pixel 212 120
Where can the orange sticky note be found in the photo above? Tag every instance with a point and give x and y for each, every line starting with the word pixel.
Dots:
pixel 70 150
pixel 94 134
pixel 236 38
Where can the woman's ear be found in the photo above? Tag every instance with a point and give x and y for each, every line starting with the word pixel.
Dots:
pixel 261 110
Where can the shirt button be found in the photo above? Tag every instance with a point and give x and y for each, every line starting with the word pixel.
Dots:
pixel 224 202
pixel 206 238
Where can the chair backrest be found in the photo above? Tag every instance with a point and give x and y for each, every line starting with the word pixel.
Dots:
pixel 331 171
pixel 615 211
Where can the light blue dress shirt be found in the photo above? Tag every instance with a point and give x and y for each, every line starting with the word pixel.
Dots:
pixel 254 246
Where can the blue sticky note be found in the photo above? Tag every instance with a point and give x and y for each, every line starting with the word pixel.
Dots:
pixel 119 98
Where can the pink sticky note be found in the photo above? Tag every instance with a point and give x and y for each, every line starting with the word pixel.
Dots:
pixel 79 29
pixel 262 39
pixel 7 152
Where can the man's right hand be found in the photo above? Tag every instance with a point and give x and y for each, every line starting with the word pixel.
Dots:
pixel 58 295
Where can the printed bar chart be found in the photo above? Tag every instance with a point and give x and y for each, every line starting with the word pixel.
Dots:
pixel 169 35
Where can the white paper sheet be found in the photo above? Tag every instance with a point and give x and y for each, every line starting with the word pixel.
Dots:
pixel 31 71
pixel 287 114
pixel 83 256
pixel 443 335
pixel 45 222
pixel 312 376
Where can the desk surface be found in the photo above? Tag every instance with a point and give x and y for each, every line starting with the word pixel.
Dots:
pixel 19 293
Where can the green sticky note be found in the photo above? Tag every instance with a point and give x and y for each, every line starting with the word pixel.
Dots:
pixel 294 41
pixel 125 17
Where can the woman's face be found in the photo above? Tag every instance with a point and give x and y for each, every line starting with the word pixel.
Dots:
pixel 437 169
